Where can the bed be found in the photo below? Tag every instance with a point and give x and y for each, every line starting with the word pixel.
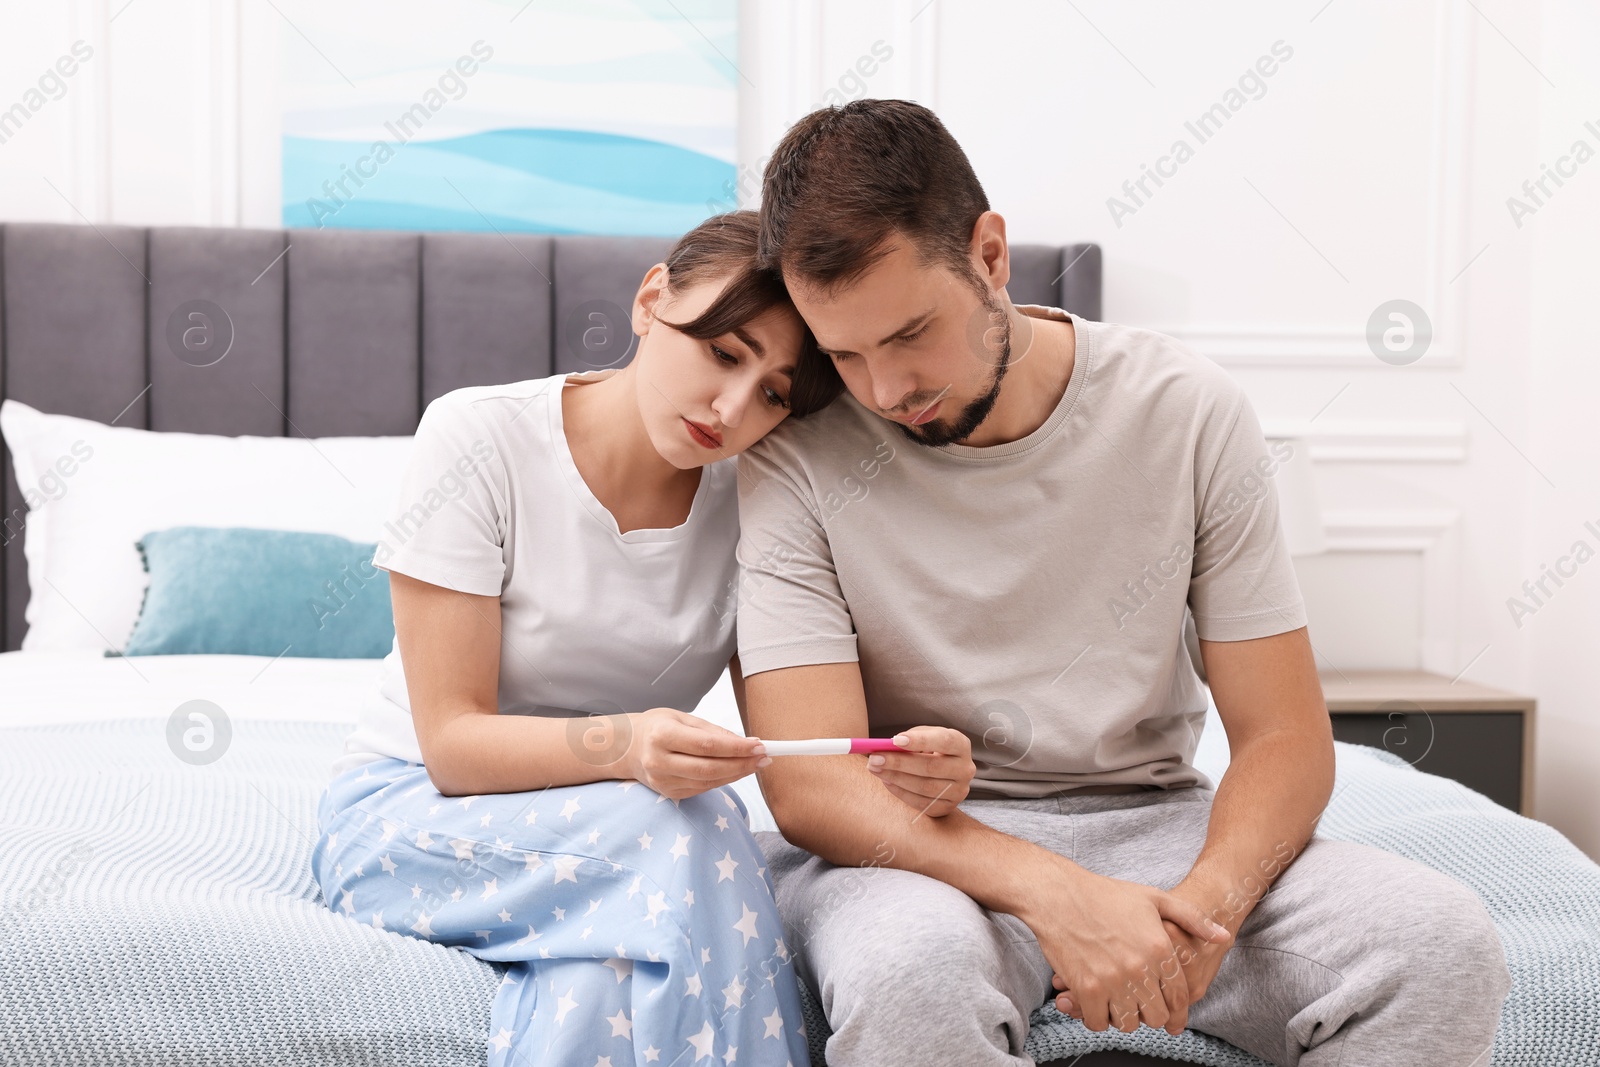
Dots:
pixel 161 910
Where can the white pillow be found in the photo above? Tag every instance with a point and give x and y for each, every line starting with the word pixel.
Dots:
pixel 93 490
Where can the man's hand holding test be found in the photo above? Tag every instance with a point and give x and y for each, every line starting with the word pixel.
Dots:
pixel 927 767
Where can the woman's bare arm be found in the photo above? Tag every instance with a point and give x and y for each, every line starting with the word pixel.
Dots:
pixel 450 648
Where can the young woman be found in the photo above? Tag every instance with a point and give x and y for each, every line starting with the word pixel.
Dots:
pixel 527 784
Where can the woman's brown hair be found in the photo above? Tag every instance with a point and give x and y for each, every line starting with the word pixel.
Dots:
pixel 725 245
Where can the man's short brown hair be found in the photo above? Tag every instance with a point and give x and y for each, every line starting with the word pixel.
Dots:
pixel 846 179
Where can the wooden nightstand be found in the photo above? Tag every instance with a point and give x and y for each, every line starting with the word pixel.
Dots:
pixel 1481 737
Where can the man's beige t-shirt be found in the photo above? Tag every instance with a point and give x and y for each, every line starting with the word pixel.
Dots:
pixel 1032 594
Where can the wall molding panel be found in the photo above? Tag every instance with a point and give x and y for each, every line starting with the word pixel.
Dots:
pixel 1376 440
pixel 1442 292
pixel 1434 535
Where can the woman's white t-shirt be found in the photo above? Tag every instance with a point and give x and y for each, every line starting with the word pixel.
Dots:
pixel 592 619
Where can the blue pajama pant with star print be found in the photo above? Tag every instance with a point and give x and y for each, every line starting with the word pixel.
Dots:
pixel 637 929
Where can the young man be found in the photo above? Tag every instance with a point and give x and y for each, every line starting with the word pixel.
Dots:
pixel 1001 529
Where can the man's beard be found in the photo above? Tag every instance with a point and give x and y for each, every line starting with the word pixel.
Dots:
pixel 937 433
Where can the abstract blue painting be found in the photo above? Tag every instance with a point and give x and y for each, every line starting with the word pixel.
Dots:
pixel 533 116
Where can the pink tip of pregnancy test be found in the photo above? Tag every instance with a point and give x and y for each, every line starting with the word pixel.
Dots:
pixel 874 744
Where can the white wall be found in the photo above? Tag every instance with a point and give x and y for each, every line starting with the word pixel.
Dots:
pixel 1559 362
pixel 1375 164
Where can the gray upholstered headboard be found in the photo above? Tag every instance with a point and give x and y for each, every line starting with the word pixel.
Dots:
pixel 331 332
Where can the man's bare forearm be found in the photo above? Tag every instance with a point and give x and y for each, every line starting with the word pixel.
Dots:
pixel 833 807
pixel 1266 809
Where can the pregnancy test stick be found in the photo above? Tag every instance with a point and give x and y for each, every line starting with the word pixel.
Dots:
pixel 831 746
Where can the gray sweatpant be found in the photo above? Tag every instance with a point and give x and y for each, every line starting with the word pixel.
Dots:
pixel 1356 957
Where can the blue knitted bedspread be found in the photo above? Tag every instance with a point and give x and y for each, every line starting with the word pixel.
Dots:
pixel 154 912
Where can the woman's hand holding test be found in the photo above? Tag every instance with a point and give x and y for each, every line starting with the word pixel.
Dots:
pixel 681 755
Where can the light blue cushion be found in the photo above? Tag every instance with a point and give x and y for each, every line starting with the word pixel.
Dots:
pixel 247 592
